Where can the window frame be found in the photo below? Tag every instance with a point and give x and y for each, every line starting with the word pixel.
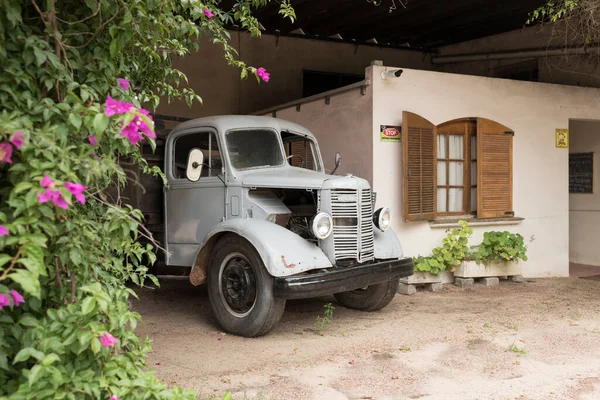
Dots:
pixel 173 168
pixel 314 150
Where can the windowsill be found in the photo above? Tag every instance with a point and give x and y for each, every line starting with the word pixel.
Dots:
pixel 452 222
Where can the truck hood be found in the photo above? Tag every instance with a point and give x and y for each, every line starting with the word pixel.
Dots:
pixel 298 178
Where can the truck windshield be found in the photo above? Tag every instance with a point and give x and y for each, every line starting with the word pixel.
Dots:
pixel 254 148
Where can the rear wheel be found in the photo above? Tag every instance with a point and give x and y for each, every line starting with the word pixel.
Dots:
pixel 240 289
pixel 371 298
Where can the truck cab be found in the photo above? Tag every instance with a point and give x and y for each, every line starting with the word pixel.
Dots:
pixel 251 210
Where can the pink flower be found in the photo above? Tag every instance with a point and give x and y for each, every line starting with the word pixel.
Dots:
pixel 92 140
pixel 108 340
pixel 5 152
pixel 114 397
pixel 17 139
pixel 46 196
pixel 208 13
pixel 47 182
pixel 4 301
pixel 263 74
pixel 3 230
pixel 133 129
pixel 17 298
pixel 76 190
pixel 55 196
pixel 124 83
pixel 59 200
pixel 113 107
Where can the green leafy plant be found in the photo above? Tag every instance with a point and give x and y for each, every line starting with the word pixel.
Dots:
pixel 78 81
pixel 516 349
pixel 498 247
pixel 454 249
pixel 325 320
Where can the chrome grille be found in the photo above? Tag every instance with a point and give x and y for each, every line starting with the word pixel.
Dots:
pixel 353 234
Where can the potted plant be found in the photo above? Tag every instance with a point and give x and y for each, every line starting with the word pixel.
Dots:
pixel 439 266
pixel 500 254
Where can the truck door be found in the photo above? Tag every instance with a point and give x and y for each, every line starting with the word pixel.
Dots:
pixel 192 209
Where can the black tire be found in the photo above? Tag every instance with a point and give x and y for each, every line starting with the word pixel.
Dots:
pixel 372 298
pixel 240 289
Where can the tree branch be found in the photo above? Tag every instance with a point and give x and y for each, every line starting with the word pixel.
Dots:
pixel 12 264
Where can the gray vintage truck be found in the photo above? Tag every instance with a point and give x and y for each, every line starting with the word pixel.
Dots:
pixel 250 210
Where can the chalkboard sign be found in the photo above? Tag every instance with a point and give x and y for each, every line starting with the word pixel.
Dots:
pixel 581 172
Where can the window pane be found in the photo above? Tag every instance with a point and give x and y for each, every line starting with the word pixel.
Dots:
pixel 473 199
pixel 441 146
pixel 474 173
pixel 455 200
pixel 441 200
pixel 254 148
pixel 473 147
pixel 441 173
pixel 457 143
pixel 456 177
pixel 205 141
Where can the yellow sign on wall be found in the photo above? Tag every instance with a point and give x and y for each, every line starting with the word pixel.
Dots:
pixel 562 138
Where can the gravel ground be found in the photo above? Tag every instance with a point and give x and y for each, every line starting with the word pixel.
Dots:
pixel 535 340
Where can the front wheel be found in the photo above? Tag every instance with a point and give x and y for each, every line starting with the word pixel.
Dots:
pixel 240 289
pixel 371 298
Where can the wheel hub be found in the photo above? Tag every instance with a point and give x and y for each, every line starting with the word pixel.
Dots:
pixel 238 285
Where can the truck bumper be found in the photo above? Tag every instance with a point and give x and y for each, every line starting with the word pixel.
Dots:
pixel 341 279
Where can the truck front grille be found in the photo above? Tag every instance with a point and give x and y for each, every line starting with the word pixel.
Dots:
pixel 352 213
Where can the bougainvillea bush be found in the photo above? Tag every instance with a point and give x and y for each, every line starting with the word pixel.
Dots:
pixel 79 81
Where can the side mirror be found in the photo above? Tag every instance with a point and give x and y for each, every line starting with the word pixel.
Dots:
pixel 338 161
pixel 194 165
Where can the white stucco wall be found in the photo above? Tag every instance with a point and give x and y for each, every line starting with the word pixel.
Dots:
pixel 584 209
pixel 540 170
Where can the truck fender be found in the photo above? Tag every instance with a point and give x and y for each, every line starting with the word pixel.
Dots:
pixel 283 252
pixel 387 245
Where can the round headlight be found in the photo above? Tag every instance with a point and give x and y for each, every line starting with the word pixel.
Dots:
pixel 322 225
pixel 382 218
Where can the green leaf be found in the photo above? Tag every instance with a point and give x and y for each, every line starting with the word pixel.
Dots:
pixel 27 281
pixel 49 359
pixel 35 374
pixel 33 265
pixel 227 396
pixel 75 256
pixel 100 123
pixel 88 305
pixel 26 353
pixel 75 120
pixel 22 186
pixel 28 320
pixel 4 258
pixel 3 362
pixel 40 56
pixel 96 346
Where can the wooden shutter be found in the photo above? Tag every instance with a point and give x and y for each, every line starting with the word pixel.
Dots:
pixel 418 165
pixel 303 149
pixel 494 172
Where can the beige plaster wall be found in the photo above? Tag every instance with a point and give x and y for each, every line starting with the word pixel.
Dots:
pixel 285 58
pixel 574 70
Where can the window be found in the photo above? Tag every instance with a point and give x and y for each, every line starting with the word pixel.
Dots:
pixel 460 167
pixel 205 141
pixel 300 151
pixel 457 167
pixel 315 82
pixel 254 148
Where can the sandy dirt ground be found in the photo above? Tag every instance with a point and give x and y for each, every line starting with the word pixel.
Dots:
pixel 535 340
